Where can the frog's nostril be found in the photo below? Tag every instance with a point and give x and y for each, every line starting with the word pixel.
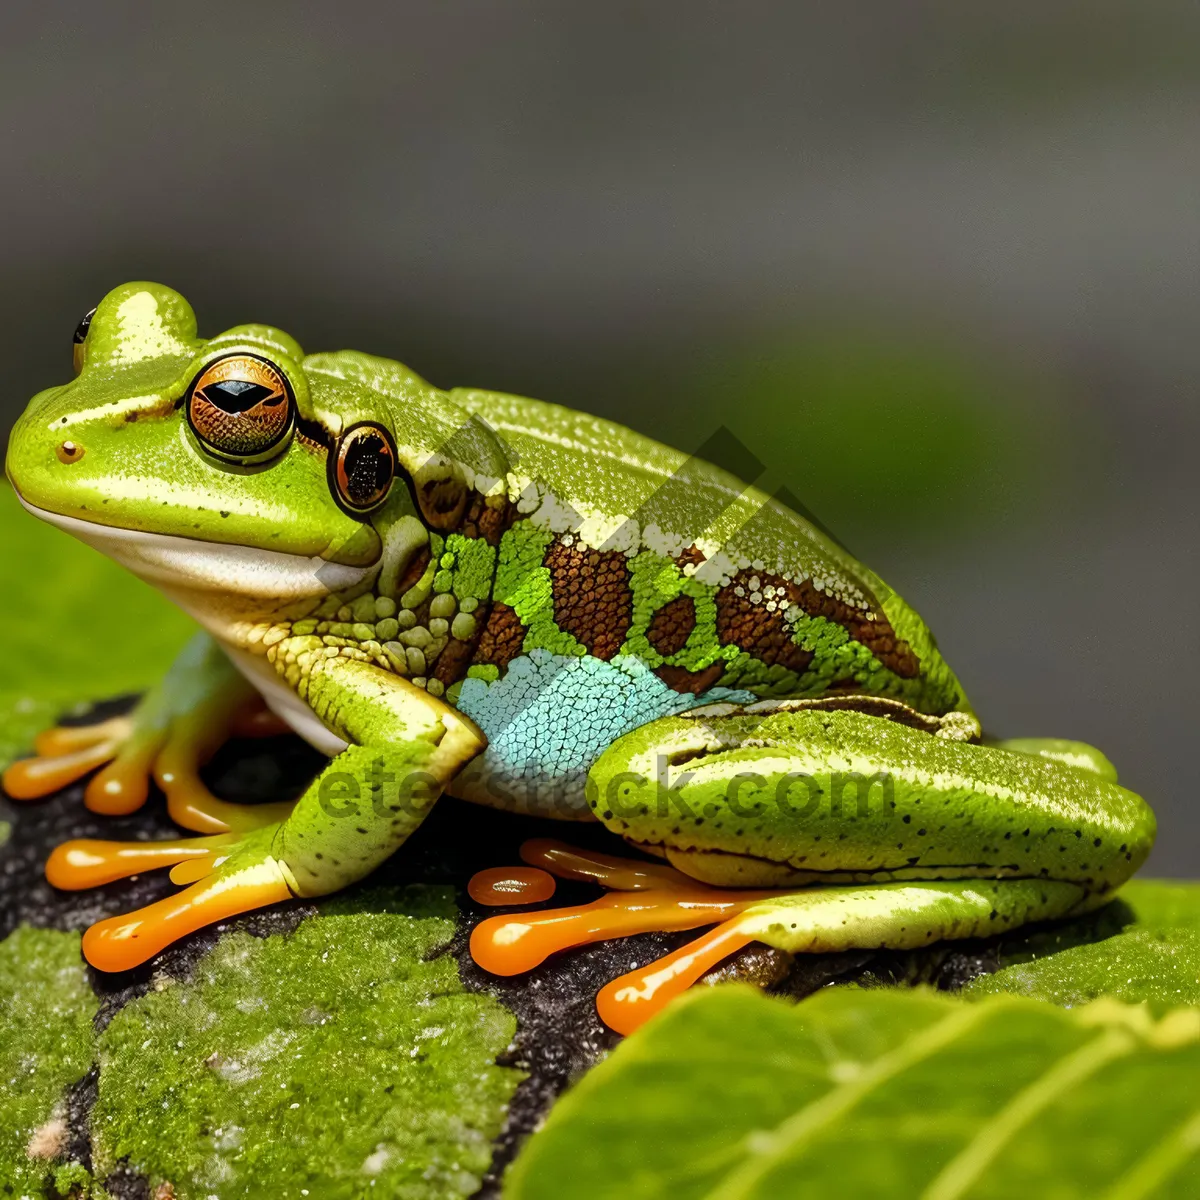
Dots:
pixel 69 452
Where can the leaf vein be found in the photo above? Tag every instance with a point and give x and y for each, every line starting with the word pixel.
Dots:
pixel 805 1124
pixel 994 1134
pixel 1150 1172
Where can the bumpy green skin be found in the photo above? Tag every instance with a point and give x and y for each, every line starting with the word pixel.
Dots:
pixel 537 599
pixel 940 838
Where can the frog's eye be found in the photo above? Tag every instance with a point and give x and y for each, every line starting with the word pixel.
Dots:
pixel 78 350
pixel 241 408
pixel 362 470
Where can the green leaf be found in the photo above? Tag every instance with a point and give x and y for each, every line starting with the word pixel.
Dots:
pixel 344 1058
pixel 1144 947
pixel 730 1095
pixel 76 627
pixel 45 1046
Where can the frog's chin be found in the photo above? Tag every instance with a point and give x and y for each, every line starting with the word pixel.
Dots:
pixel 190 566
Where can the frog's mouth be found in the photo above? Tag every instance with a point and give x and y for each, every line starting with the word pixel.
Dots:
pixel 179 563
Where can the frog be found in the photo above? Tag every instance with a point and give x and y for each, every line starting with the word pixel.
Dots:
pixel 530 608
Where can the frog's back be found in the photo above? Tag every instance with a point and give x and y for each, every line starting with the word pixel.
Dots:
pixel 629 552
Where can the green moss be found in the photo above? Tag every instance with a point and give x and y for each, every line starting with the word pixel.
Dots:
pixel 45 1046
pixel 341 1058
pixel 74 1179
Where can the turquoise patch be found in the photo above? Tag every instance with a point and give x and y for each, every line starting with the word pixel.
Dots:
pixel 552 715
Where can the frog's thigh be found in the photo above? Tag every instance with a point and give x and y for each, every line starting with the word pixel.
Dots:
pixel 1079 755
pixel 906 916
pixel 736 798
pixel 655 785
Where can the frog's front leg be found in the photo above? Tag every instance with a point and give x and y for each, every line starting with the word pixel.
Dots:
pixel 872 834
pixel 403 745
pixel 174 729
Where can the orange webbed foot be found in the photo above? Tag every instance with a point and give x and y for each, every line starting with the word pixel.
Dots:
pixel 119 943
pixel 642 898
pixel 228 873
pixel 133 750
pixel 67 753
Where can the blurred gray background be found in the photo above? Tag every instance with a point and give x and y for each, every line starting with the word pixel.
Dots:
pixel 936 265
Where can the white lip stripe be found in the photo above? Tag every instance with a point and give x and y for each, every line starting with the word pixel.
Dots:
pixel 165 559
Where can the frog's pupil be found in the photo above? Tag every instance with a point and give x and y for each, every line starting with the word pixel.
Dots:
pixel 236 395
pixel 367 469
pixel 82 328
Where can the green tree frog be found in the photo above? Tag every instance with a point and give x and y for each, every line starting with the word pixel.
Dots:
pixel 524 606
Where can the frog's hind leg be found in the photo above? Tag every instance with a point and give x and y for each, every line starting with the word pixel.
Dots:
pixel 172 732
pixel 874 830
pixel 827 920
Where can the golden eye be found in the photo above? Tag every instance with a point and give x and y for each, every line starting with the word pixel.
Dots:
pixel 241 408
pixel 78 347
pixel 363 468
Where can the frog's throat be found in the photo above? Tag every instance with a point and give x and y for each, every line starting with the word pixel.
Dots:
pixel 191 571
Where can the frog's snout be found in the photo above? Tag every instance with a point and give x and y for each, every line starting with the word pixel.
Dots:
pixel 68 452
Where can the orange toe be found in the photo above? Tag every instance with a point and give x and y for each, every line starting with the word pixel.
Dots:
pixel 632 999
pixel 609 871
pixel 85 862
pixel 511 945
pixel 119 943
pixel 510 885
pixel 121 787
pixel 66 739
pixel 645 897
pixel 192 805
pixel 32 778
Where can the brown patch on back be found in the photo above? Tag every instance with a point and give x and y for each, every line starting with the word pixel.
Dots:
pixel 691 683
pixel 877 635
pixel 502 637
pixel 672 625
pixel 692 556
pixel 592 598
pixel 752 627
